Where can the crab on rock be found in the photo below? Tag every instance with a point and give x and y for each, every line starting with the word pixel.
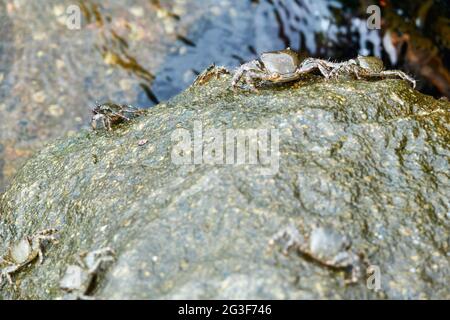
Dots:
pixel 327 247
pixel 285 66
pixel 24 252
pixel 79 279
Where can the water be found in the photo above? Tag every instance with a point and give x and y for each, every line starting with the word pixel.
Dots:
pixel 328 29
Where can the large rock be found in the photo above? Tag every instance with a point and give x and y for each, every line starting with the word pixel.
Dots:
pixel 369 159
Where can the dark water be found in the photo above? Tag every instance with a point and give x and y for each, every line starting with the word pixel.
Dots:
pixel 141 52
pixel 330 29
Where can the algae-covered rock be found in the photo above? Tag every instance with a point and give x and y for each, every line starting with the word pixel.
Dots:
pixel 369 159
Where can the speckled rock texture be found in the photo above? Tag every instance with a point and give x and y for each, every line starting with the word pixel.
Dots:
pixel 370 159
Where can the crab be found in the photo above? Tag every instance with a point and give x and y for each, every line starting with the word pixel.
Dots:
pixel 325 246
pixel 79 279
pixel 286 66
pixel 24 252
pixel 109 114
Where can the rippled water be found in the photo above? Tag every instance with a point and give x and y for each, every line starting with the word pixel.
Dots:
pixel 329 29
pixel 144 51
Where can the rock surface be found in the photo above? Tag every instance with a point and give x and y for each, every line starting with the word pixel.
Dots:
pixel 369 159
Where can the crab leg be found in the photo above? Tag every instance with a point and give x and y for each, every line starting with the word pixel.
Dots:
pixel 43 236
pixel 121 116
pixel 237 76
pixel 312 64
pixel 395 73
pixel 249 69
pixel 107 123
pixel 6 273
pixel 344 67
pixel 8 278
pixel 97 264
pixel 249 76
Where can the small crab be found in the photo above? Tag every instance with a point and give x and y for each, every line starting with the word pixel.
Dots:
pixel 363 67
pixel 109 114
pixel 325 246
pixel 79 279
pixel 24 252
pixel 211 71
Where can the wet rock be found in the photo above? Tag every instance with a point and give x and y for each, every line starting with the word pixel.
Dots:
pixel 368 159
pixel 51 75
